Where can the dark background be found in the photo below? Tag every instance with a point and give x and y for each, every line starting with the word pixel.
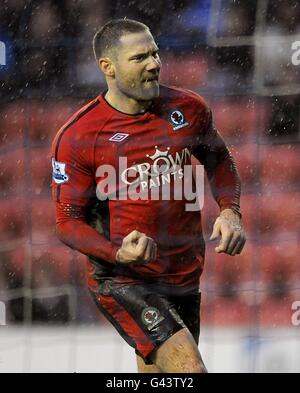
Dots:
pixel 237 54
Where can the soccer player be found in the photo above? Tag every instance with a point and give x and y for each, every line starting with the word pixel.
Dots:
pixel 145 254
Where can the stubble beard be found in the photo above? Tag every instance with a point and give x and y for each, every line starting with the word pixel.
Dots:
pixel 140 93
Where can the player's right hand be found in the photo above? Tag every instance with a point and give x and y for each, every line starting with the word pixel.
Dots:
pixel 137 248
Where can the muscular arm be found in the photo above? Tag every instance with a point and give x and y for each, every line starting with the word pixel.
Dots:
pixel 226 188
pixel 73 187
pixel 73 230
pixel 221 169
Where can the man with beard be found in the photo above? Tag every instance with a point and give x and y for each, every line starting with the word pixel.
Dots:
pixel 145 255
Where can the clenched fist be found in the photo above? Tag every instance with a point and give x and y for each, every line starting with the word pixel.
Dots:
pixel 137 248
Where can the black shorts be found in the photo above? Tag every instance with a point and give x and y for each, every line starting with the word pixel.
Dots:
pixel 146 316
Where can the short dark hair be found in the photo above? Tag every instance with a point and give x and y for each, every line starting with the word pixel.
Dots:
pixel 109 35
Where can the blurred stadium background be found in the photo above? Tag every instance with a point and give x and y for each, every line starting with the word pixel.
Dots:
pixel 238 55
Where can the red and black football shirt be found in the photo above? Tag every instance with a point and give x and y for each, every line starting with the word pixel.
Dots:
pixel 177 126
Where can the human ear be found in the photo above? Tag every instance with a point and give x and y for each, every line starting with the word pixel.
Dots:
pixel 107 66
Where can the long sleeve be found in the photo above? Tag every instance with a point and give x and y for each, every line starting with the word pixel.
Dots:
pixel 220 167
pixel 73 186
pixel 73 230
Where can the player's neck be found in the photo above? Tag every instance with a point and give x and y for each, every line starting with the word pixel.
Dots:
pixel 125 104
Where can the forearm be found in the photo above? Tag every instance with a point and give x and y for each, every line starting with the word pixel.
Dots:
pixel 73 230
pixel 225 184
pixel 221 170
pixel 81 237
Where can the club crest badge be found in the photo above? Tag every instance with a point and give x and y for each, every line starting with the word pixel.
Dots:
pixel 177 120
pixel 151 317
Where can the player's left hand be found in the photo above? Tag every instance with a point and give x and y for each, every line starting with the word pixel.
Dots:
pixel 229 226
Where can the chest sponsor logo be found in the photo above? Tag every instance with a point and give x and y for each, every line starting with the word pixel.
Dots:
pixel 177 120
pixel 163 167
pixel 165 175
pixel 59 172
pixel 119 137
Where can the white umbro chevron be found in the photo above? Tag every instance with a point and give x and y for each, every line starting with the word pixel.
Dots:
pixel 118 137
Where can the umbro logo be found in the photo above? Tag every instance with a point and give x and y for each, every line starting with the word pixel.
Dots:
pixel 118 137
